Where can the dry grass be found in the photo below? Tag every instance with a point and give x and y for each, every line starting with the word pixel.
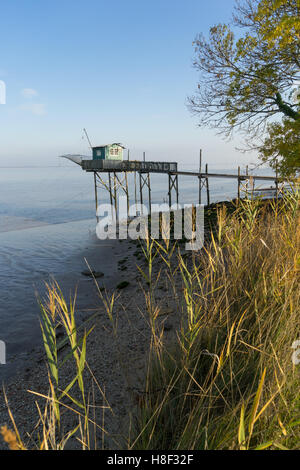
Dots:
pixel 229 382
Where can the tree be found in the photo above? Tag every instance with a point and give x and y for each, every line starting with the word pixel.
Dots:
pixel 246 82
pixel 281 147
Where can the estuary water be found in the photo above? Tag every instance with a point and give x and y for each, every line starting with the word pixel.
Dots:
pixel 47 227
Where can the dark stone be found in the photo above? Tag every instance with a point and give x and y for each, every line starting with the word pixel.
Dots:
pixel 168 327
pixel 92 273
pixel 123 284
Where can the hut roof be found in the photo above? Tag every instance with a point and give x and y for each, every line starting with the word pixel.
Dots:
pixel 107 145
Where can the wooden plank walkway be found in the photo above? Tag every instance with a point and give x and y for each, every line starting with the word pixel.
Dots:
pixel 245 182
pixel 227 175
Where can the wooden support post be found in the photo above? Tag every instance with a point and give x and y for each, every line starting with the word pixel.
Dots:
pixel 149 192
pixel 251 185
pixel 116 195
pixel 200 179
pixel 96 196
pixel 207 185
pixel 144 156
pixel 110 195
pixel 173 183
pixel 135 192
pixel 145 181
pixel 141 192
pixel 239 184
pixel 110 189
pixel 247 185
pixel 276 181
pixel 127 193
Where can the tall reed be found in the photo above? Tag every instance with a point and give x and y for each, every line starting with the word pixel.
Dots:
pixel 229 381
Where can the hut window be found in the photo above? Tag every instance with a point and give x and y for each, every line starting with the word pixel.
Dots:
pixel 114 151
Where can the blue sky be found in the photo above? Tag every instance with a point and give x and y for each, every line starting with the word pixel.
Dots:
pixel 122 69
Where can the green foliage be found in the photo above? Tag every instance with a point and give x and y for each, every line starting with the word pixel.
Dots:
pixel 283 141
pixel 280 23
pixel 245 81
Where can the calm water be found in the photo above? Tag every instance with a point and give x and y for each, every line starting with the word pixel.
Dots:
pixel 47 218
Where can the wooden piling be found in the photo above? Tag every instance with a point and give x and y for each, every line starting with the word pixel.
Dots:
pixel 110 189
pixel 252 185
pixel 116 195
pixel 207 185
pixel 135 192
pixel 141 192
pixel 127 193
pixel 110 195
pixel 199 178
pixel 247 184
pixel 96 195
pixel 173 183
pixel 149 191
pixel 170 191
pixel 173 177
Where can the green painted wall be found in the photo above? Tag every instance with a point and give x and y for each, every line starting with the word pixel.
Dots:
pixel 113 152
pixel 110 152
pixel 99 153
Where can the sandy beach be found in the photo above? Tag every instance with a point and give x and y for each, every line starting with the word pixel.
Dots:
pixel 117 356
pixel 9 223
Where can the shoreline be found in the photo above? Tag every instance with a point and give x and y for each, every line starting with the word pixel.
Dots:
pixel 103 356
pixel 27 279
pixel 117 356
pixel 118 360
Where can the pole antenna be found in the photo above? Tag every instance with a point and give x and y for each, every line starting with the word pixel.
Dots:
pixel 87 137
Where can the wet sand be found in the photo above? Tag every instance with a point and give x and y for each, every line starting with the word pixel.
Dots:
pixel 20 310
pixel 117 356
pixel 10 223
